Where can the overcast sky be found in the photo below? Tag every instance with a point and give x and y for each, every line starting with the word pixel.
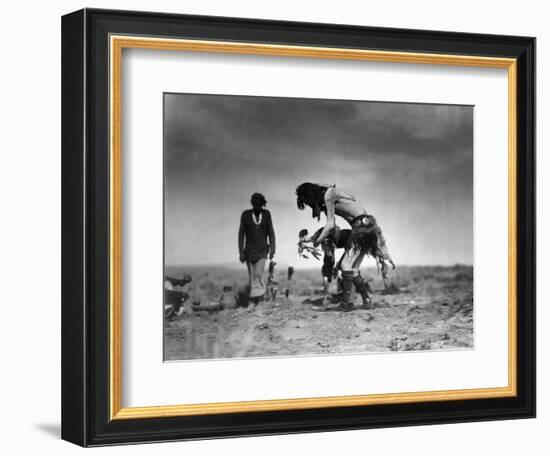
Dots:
pixel 410 165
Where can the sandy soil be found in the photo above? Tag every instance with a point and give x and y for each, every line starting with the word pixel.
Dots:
pixel 426 308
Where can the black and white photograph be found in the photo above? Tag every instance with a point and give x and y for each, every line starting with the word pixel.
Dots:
pixel 274 223
pixel 313 227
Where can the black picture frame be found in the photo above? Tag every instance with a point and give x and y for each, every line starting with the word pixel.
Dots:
pixel 85 228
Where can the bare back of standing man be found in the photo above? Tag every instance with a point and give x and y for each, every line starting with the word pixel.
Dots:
pixel 256 243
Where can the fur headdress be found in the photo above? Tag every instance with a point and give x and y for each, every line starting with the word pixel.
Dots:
pixel 312 195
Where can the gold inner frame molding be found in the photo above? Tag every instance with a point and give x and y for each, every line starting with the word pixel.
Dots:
pixel 117 45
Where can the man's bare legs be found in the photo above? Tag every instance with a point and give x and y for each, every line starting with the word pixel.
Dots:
pixel 350 265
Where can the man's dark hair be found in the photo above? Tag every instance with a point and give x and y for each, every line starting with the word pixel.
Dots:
pixel 312 195
pixel 258 198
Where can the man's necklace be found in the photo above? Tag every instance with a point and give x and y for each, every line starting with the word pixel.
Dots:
pixel 259 218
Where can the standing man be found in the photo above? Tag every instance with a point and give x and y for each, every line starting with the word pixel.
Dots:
pixel 256 243
pixel 366 237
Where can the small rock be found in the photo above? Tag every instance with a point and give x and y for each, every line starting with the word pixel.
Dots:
pixel 394 345
pixel 368 316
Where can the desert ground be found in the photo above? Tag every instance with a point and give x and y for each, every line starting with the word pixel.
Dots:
pixel 423 308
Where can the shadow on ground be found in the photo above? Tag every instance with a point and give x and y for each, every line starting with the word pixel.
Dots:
pixel 51 429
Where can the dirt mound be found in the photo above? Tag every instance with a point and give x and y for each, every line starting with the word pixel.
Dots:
pixel 391 289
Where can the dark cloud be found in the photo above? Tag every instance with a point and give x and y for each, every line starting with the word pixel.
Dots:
pixel 417 158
